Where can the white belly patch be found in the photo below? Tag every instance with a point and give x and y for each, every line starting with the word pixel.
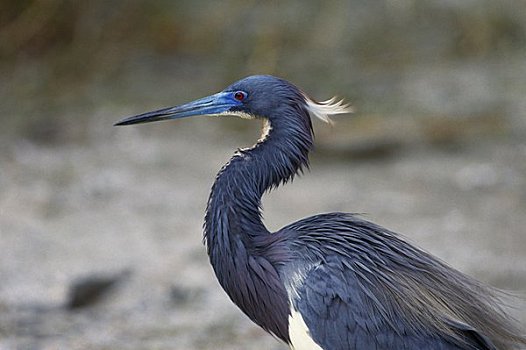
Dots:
pixel 299 333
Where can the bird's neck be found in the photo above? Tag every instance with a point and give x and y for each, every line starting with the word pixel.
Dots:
pixel 234 206
pixel 239 245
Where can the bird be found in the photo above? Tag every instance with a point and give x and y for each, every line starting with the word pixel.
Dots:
pixel 332 281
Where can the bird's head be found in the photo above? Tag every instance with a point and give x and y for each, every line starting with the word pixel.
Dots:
pixel 257 96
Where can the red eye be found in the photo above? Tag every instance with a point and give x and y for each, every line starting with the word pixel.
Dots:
pixel 240 96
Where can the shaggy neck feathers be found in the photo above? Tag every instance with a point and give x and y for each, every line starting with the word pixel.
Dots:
pixel 245 256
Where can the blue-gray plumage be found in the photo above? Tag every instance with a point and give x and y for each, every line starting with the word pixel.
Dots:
pixel 331 281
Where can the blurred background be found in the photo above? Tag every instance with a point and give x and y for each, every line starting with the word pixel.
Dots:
pixel 100 227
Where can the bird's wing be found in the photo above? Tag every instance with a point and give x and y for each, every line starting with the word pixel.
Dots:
pixel 341 284
pixel 342 313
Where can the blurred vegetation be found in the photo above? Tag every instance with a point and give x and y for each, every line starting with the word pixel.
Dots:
pixel 63 61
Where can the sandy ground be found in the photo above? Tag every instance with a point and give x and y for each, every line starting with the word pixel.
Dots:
pixel 129 200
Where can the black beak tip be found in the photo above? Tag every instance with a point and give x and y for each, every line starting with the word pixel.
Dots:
pixel 147 117
pixel 120 123
pixel 130 121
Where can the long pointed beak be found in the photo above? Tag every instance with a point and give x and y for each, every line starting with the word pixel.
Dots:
pixel 211 105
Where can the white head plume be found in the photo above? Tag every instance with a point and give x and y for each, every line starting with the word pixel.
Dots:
pixel 324 109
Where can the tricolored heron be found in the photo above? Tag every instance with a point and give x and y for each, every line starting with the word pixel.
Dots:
pixel 330 281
